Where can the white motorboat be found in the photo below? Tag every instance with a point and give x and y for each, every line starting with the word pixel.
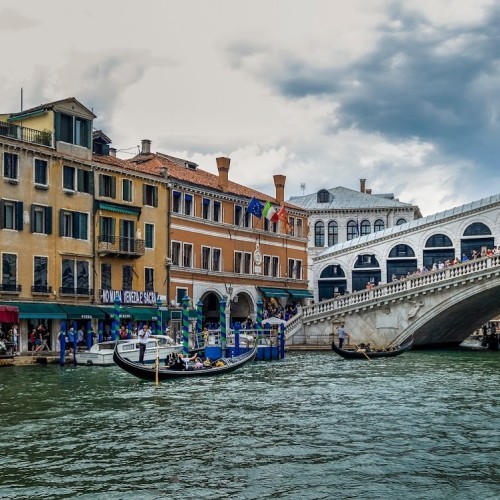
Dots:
pixel 475 342
pixel 101 354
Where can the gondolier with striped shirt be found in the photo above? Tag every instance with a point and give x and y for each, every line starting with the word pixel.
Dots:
pixel 143 341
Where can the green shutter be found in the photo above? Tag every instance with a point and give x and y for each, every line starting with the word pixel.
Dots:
pixel 155 196
pixel 88 130
pixel 101 185
pixel 113 187
pixel 48 220
pixel 2 208
pixel 19 215
pixel 80 179
pixel 91 182
pixel 113 228
pixel 61 223
pixel 76 225
pixel 144 190
pixel 57 117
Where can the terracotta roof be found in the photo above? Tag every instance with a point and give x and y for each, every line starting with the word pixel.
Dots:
pixel 50 105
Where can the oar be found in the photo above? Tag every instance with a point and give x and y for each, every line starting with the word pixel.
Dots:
pixel 157 361
pixel 364 352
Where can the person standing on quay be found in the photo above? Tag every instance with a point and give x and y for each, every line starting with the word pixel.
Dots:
pixel 143 342
pixel 341 335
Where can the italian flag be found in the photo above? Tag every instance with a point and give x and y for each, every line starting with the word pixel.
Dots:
pixel 270 212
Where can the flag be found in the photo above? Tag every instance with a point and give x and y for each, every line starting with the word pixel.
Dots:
pixel 283 217
pixel 270 212
pixel 255 207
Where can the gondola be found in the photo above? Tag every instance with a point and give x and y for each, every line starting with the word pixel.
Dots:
pixel 164 373
pixel 358 354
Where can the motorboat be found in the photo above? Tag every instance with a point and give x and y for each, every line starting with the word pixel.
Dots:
pixel 475 342
pixel 101 354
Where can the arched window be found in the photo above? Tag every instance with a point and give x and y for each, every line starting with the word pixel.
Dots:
pixel 319 234
pixel 333 233
pixel 400 221
pixel 379 225
pixel 477 229
pixel 323 196
pixel 401 251
pixel 352 230
pixel 366 227
pixel 438 240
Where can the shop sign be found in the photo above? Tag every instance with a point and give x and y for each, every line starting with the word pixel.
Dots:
pixel 129 297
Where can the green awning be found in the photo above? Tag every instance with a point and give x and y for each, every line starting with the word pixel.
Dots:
pixel 38 310
pixel 273 292
pixel 82 312
pixel 110 311
pixel 117 208
pixel 142 313
pixel 300 294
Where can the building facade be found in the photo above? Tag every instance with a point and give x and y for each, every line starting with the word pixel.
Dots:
pixel 340 214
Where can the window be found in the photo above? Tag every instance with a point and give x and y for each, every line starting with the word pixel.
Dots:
pixel 41 219
pixel 238 215
pixel 149 279
pixel 81 132
pixel 107 227
pixel 291 226
pixel 188 204
pixel 69 178
pixel 217 211
pixel 400 221
pixel 205 257
pixel 11 215
pixel 247 262
pixel 401 251
pixel 127 277
pixel 352 230
pixel 237 262
pixel 366 227
pixel 298 269
pixel 299 232
pixel 333 233
pixel 75 277
pixel 40 274
pixel 10 166
pixel 205 211
pixel 41 172
pixel 187 255
pixel 127 190
pixel 216 260
pixel 149 237
pixel 267 265
pixel 106 276
pixel 247 219
pixel 294 268
pixel 85 181
pixel 150 195
pixel 176 202
pixel 73 130
pixel 9 272
pixel 73 225
pixel 323 196
pixel 275 267
pixel 319 234
pixel 127 236
pixel 107 186
pixel 379 225
pixel 176 253
pixel 438 240
pixel 477 229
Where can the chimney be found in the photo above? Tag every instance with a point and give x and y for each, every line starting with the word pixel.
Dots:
pixel 223 168
pixel 145 147
pixel 362 187
pixel 279 184
pixel 112 152
pixel 369 191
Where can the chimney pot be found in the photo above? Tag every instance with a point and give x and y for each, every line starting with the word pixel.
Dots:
pixel 369 191
pixel 145 147
pixel 279 184
pixel 112 152
pixel 223 164
pixel 362 185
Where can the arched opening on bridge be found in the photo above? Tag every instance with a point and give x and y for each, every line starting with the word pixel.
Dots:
pixel 242 307
pixel 438 248
pixel 401 261
pixel 332 282
pixel 366 270
pixel 476 236
pixel 210 307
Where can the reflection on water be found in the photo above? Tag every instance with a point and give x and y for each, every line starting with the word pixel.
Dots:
pixel 313 426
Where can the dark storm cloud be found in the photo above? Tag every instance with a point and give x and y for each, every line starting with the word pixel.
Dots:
pixel 417 83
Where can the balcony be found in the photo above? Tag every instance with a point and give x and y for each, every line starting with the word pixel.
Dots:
pixel 120 246
pixel 41 289
pixel 65 290
pixel 10 288
pixel 42 137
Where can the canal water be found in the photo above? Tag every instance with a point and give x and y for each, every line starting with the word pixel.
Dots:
pixel 425 425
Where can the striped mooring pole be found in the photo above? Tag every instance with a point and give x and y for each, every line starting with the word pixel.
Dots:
pixel 223 326
pixel 185 325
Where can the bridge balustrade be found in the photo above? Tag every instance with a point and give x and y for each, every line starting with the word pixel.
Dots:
pixel 450 273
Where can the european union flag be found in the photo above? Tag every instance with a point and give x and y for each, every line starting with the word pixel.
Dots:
pixel 255 207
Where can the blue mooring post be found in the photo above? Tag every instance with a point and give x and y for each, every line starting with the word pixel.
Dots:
pixel 237 339
pixel 259 326
pixel 223 326
pixel 116 318
pixel 99 332
pixel 282 341
pixel 75 341
pixel 89 335
pixel 62 343
pixel 199 321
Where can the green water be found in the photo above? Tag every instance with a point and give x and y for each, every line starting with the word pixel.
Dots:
pixel 425 425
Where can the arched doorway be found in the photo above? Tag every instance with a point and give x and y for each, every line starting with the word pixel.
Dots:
pixel 401 261
pixel 438 248
pixel 476 236
pixel 331 282
pixel 242 307
pixel 210 308
pixel 366 269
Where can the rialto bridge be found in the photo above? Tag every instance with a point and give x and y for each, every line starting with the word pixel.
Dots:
pixel 382 286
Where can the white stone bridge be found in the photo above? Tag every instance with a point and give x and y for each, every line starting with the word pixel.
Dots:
pixel 438 308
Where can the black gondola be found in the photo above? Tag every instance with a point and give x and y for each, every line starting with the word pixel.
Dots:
pixel 361 354
pixel 164 373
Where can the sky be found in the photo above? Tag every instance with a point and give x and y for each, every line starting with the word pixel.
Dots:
pixel 404 94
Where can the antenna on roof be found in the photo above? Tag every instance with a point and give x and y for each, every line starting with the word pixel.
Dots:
pixel 303 187
pixel 21 98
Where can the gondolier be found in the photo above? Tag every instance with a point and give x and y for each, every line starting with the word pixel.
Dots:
pixel 143 342
pixel 342 334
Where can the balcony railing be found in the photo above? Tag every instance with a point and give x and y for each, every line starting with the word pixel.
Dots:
pixel 42 137
pixel 65 290
pixel 10 287
pixel 45 289
pixel 120 246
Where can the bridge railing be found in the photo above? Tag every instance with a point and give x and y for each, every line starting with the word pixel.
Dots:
pixel 403 285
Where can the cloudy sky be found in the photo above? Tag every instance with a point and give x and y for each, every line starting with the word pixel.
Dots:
pixel 403 93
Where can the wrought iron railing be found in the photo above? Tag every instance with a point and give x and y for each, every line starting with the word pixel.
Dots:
pixel 65 290
pixel 9 287
pixel 42 137
pixel 120 245
pixel 41 289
